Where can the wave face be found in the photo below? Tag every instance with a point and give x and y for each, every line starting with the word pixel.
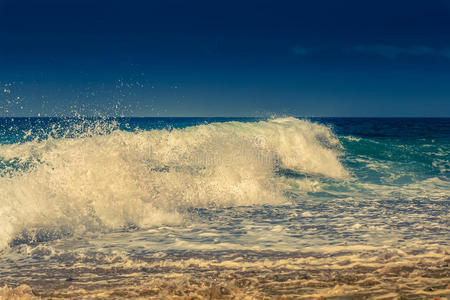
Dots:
pixel 86 176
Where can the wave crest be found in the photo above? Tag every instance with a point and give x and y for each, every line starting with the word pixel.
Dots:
pixel 148 178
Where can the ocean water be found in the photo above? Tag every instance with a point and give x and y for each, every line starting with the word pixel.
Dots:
pixel 222 208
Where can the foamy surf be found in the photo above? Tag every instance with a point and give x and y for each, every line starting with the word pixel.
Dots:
pixel 190 208
pixel 105 179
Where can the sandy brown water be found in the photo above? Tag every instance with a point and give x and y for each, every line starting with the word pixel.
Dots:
pixel 374 274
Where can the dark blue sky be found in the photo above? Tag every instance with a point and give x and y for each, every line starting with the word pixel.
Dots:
pixel 225 58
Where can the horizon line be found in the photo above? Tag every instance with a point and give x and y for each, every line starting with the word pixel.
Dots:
pixel 222 117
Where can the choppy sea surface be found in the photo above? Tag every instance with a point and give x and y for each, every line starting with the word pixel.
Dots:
pixel 221 208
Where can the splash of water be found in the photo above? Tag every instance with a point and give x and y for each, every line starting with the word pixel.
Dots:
pixel 103 178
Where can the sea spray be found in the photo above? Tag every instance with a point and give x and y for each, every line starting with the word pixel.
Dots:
pixel 238 208
pixel 94 176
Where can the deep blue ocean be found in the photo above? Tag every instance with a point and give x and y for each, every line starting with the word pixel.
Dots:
pixel 343 208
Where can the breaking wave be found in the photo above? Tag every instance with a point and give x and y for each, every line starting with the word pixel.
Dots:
pixel 105 178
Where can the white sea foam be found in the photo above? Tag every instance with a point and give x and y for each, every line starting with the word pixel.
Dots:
pixel 99 181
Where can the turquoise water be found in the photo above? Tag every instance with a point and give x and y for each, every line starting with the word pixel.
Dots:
pixel 300 207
